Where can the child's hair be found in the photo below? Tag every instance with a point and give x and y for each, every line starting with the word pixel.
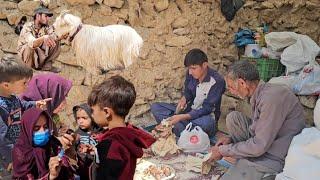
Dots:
pixel 12 69
pixel 115 93
pixel 88 110
pixel 195 57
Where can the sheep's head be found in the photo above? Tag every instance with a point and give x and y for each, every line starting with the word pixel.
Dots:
pixel 65 24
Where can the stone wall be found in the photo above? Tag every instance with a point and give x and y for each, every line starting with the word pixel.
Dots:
pixel 169 28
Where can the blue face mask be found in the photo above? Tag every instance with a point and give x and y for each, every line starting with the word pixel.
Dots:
pixel 41 138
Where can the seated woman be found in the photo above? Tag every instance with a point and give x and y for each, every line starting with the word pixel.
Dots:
pixel 36 150
pixel 49 85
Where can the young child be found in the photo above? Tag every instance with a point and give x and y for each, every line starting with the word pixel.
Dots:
pixel 86 143
pixel 14 77
pixel 121 145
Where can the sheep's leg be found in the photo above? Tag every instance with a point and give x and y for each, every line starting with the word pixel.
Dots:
pixel 126 58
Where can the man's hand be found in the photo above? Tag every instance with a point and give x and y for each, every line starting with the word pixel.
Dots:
pixel 223 141
pixel 181 105
pixel 215 156
pixel 49 41
pixel 54 167
pixel 42 104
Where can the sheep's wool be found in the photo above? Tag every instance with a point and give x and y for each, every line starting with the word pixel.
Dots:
pixel 109 47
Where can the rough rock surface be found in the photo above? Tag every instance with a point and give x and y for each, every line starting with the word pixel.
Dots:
pixel 169 29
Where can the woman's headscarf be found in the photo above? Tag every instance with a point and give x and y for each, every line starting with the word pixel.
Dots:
pixel 25 156
pixel 48 85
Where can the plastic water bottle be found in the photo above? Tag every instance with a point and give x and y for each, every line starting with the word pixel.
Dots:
pixel 256 53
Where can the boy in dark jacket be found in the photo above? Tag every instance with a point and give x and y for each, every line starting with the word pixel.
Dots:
pixel 119 147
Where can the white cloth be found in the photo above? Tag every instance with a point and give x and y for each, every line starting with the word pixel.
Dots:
pixel 303 161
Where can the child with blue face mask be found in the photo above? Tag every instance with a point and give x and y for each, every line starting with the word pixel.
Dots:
pixel 36 149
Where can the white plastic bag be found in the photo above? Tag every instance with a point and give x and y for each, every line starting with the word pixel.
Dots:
pixel 308 82
pixel 288 81
pixel 316 115
pixel 302 161
pixel 195 140
pixel 299 51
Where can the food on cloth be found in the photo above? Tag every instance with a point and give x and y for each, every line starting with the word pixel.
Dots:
pixel 158 172
pixel 166 140
pixel 199 163
pixel 147 170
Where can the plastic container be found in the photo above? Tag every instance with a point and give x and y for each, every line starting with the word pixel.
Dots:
pixel 256 53
pixel 250 48
pixel 267 68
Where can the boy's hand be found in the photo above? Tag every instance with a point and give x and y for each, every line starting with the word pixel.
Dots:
pixel 42 104
pixel 182 104
pixel 54 167
pixel 67 140
pixel 86 148
pixel 174 119
pixel 177 118
pixel 83 148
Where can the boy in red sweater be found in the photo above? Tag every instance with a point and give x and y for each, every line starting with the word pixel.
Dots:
pixel 121 144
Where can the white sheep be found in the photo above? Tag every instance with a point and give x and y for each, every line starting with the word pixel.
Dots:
pixel 99 48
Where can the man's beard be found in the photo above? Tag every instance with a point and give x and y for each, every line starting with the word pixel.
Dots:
pixel 43 24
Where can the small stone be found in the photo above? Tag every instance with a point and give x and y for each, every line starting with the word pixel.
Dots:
pixel 161 5
pixel 122 14
pixel 160 48
pixel 278 4
pixel 85 2
pixel 180 22
pixel 7 8
pixel 104 10
pixel 13 18
pixel 159 77
pixel 99 1
pixel 178 41
pixel 181 31
pixel 249 4
pixel 28 7
pixel 206 1
pixel 114 3
pixel 267 5
pixel 312 5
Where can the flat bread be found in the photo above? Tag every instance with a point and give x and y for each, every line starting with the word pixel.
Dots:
pixel 146 170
